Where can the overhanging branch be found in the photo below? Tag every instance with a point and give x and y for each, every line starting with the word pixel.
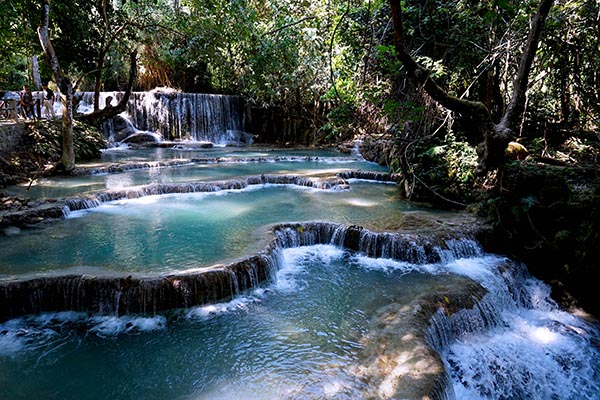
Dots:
pixel 422 77
pixel 97 117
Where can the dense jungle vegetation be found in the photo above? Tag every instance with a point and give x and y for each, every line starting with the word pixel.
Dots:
pixel 318 72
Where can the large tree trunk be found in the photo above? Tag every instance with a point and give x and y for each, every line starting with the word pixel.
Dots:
pixel 495 136
pixel 67 161
pixel 491 150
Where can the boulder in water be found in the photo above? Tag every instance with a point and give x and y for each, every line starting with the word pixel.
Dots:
pixel 122 128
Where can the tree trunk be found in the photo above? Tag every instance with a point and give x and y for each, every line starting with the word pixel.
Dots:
pixel 106 45
pixel 98 80
pixel 67 161
pixel 495 136
pixel 97 117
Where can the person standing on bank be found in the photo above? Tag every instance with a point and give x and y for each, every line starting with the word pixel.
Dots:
pixel 48 101
pixel 26 102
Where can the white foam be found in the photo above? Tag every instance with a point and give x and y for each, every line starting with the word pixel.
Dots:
pixel 389 265
pixel 105 326
pixel 77 214
pixel 58 317
pixel 118 147
pixel 12 337
pixel 536 351
pixel 480 269
pixel 27 333
pixel 210 311
pixel 295 260
pixel 535 356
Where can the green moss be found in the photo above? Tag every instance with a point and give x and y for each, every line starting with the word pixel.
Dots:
pixel 45 141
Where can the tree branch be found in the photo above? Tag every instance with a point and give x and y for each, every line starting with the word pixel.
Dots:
pixel 289 25
pixel 422 77
pixel 97 117
pixel 517 103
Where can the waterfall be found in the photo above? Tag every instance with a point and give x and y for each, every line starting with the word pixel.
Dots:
pixel 135 294
pixel 172 115
pixel 150 294
pixel 371 176
pixel 483 334
pixel 514 342
pixel 417 249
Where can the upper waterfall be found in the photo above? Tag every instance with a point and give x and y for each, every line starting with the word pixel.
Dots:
pixel 214 118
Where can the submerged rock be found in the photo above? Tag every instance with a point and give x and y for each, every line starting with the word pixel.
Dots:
pixel 11 231
pixel 398 359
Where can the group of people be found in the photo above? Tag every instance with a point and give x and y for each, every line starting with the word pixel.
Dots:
pixel 26 102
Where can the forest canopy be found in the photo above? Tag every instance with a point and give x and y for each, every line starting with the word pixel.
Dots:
pixel 330 66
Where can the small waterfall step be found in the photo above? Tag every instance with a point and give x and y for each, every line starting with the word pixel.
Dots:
pixel 47 210
pixel 151 294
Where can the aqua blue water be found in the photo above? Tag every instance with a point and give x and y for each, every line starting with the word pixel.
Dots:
pixel 124 154
pixel 322 162
pixel 294 338
pixel 302 336
pixel 299 337
pixel 176 232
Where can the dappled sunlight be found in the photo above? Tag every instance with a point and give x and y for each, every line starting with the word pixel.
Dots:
pixel 61 183
pixel 361 202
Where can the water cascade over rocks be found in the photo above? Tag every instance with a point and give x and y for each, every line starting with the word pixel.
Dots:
pixel 150 294
pixel 411 350
pixel 371 176
pixel 218 119
pixel 122 167
pixel 56 209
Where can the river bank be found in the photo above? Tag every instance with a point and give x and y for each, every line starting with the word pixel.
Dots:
pixel 543 210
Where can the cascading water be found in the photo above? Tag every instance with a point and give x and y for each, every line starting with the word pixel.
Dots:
pixel 500 336
pixel 218 119
pixel 321 310
pixel 515 343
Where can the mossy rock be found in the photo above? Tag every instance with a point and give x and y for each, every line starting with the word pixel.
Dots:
pixel 549 217
pixel 45 140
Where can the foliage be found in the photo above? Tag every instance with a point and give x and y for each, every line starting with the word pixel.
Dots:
pixel 16 35
pixel 45 139
pixel 330 62
pixel 447 169
pixel 566 90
